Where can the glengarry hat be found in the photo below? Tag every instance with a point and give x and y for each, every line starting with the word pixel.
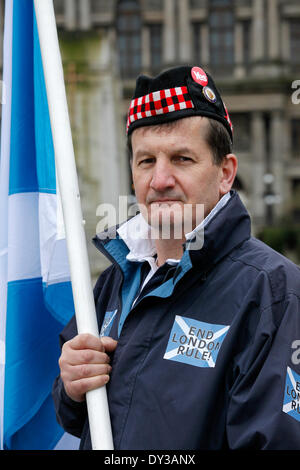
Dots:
pixel 174 94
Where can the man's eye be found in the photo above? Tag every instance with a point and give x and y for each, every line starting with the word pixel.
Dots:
pixel 182 158
pixel 146 161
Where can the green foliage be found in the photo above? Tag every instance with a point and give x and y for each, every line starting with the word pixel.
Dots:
pixel 284 238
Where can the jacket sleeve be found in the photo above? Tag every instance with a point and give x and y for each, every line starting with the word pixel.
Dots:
pixel 70 415
pixel 264 405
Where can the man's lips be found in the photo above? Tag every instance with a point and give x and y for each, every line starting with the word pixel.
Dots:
pixel 164 200
pixel 160 201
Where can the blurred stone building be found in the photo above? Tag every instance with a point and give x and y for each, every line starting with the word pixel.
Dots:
pixel 252 49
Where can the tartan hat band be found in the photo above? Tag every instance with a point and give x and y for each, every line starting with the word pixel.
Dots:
pixel 158 103
pixel 174 94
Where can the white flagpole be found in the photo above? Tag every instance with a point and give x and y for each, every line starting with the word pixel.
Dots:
pixel 98 412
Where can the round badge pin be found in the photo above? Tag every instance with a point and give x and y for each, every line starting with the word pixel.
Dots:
pixel 209 94
pixel 199 76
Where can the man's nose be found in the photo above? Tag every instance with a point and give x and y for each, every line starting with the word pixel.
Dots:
pixel 163 177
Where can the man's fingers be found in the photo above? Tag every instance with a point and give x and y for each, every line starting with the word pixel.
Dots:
pixel 84 364
pixel 85 356
pixel 73 373
pixel 78 388
pixel 109 343
pixel 86 341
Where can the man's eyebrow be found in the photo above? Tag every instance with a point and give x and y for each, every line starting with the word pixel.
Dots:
pixel 185 150
pixel 141 152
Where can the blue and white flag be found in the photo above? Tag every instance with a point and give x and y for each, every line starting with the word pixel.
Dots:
pixel 35 291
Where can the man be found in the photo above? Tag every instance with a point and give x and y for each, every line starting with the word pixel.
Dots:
pixel 199 330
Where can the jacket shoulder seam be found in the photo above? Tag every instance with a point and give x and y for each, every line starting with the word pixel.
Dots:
pixel 269 276
pixel 248 264
pixel 281 299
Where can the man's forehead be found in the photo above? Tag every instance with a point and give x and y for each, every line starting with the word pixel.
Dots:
pixel 185 124
pixel 186 135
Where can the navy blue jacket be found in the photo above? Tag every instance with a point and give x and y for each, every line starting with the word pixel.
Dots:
pixel 209 359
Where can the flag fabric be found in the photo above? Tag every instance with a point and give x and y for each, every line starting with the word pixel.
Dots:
pixel 36 297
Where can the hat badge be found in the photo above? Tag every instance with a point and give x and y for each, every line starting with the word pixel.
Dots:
pixel 209 94
pixel 199 76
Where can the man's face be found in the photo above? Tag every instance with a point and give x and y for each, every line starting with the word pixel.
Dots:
pixel 173 167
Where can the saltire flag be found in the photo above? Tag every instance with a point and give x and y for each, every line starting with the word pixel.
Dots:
pixel 35 298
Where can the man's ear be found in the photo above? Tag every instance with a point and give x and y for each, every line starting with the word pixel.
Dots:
pixel 229 169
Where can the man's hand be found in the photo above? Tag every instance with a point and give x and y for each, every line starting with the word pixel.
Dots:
pixel 84 364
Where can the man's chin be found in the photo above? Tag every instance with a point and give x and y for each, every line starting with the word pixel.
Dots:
pixel 170 220
pixel 166 220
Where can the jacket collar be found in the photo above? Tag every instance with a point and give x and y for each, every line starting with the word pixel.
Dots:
pixel 227 228
pixel 136 233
